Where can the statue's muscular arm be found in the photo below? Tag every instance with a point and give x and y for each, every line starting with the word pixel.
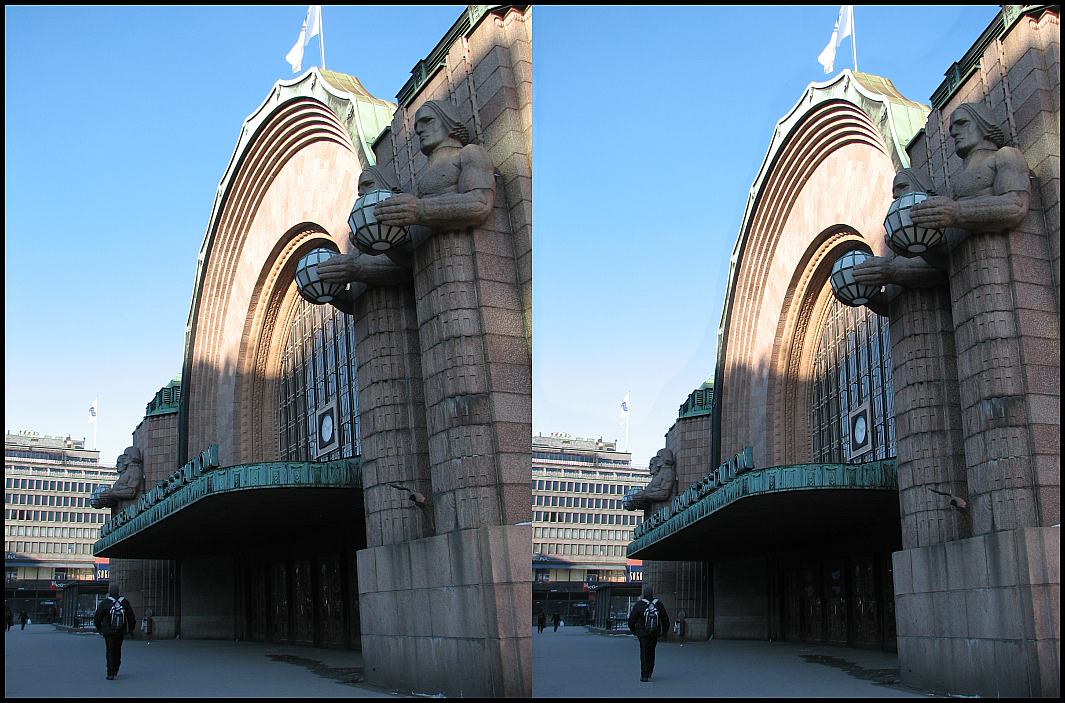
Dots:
pixel 1003 209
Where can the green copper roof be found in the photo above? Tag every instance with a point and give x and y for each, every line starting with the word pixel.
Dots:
pixel 167 400
pixel 699 402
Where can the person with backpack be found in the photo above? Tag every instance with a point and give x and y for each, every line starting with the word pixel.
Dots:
pixel 647 620
pixel 113 619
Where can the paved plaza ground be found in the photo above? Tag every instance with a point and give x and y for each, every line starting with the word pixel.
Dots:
pixel 43 662
pixel 578 662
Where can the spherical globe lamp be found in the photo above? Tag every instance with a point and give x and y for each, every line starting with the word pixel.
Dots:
pixel 369 235
pixel 843 285
pixel 904 237
pixel 310 286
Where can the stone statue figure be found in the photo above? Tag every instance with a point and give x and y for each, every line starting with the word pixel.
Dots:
pixel 663 475
pixel 360 269
pixel 456 190
pixel 992 193
pixel 894 271
pixel 129 484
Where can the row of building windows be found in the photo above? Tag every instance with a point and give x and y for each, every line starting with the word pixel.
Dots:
pixel 600 550
pixel 575 502
pixel 579 459
pixel 53 516
pixel 38 499
pixel 45 485
pixel 51 456
pixel 584 518
pixel 576 533
pixel 48 548
pixel 45 531
pixel 580 487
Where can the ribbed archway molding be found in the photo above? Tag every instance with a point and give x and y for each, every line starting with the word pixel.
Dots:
pixel 825 183
pixel 299 167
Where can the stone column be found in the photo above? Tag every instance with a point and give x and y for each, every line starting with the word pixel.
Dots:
pixel 927 418
pixel 998 408
pixel 391 411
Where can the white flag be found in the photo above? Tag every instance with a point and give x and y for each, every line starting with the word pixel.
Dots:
pixel 843 29
pixel 312 27
pixel 624 412
pixel 92 411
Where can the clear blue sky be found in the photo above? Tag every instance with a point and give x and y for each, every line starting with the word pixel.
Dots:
pixel 119 124
pixel 649 126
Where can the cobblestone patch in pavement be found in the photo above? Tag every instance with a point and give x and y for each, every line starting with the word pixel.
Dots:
pixel 346 675
pixel 882 677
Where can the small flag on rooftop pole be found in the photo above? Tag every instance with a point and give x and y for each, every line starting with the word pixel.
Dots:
pixel 844 28
pixel 312 27
pixel 92 411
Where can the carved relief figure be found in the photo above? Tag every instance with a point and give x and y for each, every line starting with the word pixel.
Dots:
pixel 893 270
pixel 457 188
pixel 663 475
pixel 360 269
pixel 129 484
pixel 992 193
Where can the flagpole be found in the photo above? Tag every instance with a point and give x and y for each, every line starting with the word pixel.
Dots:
pixel 321 35
pixel 627 395
pixel 854 39
pixel 95 424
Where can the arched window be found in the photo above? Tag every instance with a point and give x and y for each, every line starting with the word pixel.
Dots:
pixel 852 365
pixel 318 365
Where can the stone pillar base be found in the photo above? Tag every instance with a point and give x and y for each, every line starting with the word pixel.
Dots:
pixel 449 614
pixel 982 616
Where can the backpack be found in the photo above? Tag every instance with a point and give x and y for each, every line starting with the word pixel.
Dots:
pixel 650 617
pixel 117 616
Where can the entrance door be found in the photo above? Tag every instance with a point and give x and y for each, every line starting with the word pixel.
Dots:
pixel 813 610
pixel 256 602
pixel 835 602
pixel 865 608
pixel 792 606
pixel 302 602
pixel 330 621
pixel 279 600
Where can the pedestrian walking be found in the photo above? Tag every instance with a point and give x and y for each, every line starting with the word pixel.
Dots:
pixel 113 619
pixel 647 620
pixel 556 619
pixel 541 622
pixel 147 624
pixel 9 617
pixel 23 617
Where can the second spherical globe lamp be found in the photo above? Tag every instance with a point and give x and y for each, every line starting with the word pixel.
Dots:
pixel 309 283
pixel 369 235
pixel 846 290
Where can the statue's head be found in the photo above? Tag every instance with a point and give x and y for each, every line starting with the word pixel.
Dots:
pixel 436 122
pixel 910 181
pixel 653 465
pixel 973 127
pixel 373 178
pixel 665 457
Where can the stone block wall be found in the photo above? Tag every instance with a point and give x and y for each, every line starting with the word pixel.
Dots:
pixel 457 603
pixel 449 613
pixel 979 616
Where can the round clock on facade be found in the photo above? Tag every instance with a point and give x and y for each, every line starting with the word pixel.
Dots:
pixel 860 431
pixel 327 429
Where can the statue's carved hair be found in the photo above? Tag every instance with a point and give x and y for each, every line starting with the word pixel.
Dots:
pixel 445 111
pixel 983 118
pixel 918 179
pixel 385 180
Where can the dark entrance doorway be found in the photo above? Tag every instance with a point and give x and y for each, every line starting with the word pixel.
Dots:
pixel 844 600
pixel 307 600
